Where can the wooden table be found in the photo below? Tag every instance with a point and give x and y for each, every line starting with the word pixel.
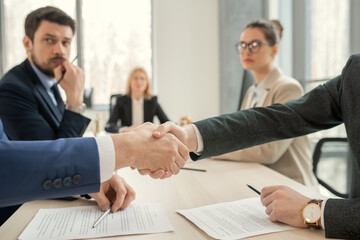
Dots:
pixel 223 181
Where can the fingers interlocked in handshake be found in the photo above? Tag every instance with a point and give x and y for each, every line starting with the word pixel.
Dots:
pixel 158 151
pixel 163 148
pixel 169 131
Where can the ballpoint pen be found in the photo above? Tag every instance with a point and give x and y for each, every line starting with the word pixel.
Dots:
pixel 194 169
pixel 62 76
pixel 102 217
pixel 253 189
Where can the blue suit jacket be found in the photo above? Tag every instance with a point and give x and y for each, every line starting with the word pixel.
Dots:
pixel 47 169
pixel 28 112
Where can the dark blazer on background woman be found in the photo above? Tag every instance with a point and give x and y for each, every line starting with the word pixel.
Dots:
pixel 123 112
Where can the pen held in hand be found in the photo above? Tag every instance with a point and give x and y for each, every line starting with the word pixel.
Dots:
pixel 102 217
pixel 253 189
pixel 62 75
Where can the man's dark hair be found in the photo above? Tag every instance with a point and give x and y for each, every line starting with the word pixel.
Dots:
pixel 51 14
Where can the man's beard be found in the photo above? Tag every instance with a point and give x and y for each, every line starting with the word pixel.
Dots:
pixel 47 71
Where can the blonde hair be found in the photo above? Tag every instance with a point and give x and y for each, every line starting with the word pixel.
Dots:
pixel 147 93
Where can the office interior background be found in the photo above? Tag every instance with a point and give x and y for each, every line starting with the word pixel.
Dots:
pixel 188 47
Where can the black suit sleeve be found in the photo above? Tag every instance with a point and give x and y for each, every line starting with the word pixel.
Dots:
pixel 72 125
pixel 116 115
pixel 160 113
pixel 342 218
pixel 21 114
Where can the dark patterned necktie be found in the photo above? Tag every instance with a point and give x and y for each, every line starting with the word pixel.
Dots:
pixel 59 101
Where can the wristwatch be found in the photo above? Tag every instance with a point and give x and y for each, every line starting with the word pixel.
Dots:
pixel 312 213
pixel 77 109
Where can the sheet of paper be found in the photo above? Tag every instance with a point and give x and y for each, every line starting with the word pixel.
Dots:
pixel 233 220
pixel 77 222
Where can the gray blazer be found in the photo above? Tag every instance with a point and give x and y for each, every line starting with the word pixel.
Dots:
pixel 335 102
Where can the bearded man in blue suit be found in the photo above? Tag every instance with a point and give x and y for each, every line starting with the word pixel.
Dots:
pixel 31 105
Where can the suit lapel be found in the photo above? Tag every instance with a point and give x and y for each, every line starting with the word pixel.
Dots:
pixel 42 94
pixel 2 133
pixel 274 75
pixel 248 98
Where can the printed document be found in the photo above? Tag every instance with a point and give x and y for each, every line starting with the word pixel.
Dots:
pixel 77 222
pixel 233 220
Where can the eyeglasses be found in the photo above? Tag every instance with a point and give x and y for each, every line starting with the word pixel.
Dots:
pixel 254 46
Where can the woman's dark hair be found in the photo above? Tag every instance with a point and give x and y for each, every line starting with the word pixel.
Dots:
pixel 271 29
pixel 279 27
pixel 51 14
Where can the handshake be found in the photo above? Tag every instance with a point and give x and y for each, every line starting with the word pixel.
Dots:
pixel 158 151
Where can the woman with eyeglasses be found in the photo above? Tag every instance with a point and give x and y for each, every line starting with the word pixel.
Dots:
pixel 257 49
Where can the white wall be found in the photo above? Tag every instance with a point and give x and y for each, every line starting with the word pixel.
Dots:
pixel 186 57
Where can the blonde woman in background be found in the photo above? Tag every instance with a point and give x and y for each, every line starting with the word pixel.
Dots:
pixel 137 106
pixel 257 48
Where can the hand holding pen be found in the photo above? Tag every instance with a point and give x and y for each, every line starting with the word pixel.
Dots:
pixel 101 217
pixel 72 80
pixel 63 73
pixel 115 193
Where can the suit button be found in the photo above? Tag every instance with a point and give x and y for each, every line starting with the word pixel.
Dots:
pixel 76 179
pixel 48 184
pixel 67 181
pixel 57 183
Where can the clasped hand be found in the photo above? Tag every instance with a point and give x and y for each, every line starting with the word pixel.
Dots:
pixel 160 150
pixel 140 149
pixel 186 135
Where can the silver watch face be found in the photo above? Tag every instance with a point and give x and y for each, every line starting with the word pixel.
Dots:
pixel 312 213
pixel 77 109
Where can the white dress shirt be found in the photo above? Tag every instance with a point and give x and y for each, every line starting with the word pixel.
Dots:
pixel 137 107
pixel 106 157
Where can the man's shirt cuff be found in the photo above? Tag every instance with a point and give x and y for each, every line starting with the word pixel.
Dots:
pixel 322 213
pixel 200 141
pixel 106 157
